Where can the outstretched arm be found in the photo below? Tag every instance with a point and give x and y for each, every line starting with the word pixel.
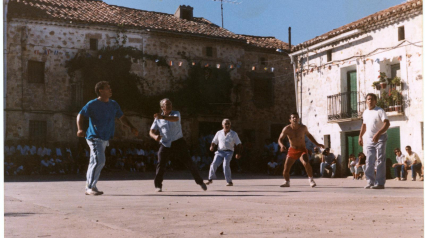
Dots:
pixel 309 136
pixel 124 120
pixel 238 151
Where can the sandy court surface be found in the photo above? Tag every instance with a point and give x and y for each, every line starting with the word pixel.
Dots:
pixel 254 207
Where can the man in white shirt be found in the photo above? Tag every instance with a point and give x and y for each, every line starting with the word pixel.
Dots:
pixel 374 129
pixel 227 141
pixel 415 163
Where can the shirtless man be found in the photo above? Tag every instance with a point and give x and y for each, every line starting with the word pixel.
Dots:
pixel 296 133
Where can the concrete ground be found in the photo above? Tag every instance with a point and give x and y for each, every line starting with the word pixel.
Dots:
pixel 254 207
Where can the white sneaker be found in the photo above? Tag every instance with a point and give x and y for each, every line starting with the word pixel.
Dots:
pixel 403 179
pixel 93 192
pixel 413 179
pixel 312 183
pixel 285 184
pixel 158 190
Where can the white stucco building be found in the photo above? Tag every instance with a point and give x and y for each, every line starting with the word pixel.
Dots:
pixel 335 71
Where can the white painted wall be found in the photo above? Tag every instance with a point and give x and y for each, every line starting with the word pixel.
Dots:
pixel 320 83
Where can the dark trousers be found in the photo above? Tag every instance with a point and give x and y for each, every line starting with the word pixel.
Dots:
pixel 179 149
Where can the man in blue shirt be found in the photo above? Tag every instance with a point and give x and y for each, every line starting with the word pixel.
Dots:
pixel 167 130
pixel 101 113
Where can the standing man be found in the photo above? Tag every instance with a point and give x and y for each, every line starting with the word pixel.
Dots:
pixel 227 141
pixel 167 130
pixel 101 113
pixel 374 128
pixel 297 150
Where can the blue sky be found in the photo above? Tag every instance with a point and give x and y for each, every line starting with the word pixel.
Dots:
pixel 307 18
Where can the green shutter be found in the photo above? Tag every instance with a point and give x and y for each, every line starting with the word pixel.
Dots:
pixel 392 143
pixel 353 89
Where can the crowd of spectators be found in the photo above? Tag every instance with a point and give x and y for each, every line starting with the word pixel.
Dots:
pixel 32 157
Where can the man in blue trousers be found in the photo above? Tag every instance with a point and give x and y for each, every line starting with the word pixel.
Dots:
pixel 374 129
pixel 227 141
pixel 101 113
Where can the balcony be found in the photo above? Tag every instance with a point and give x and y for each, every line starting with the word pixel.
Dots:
pixel 344 107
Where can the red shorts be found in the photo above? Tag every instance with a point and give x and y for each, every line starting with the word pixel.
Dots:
pixel 296 154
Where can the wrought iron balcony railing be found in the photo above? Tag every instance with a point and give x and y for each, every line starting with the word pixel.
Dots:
pixel 344 106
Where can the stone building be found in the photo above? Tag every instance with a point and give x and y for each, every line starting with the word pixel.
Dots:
pixel 42 100
pixel 335 71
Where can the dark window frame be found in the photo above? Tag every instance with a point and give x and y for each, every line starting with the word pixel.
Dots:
pixel 401 33
pixel 329 55
pixel 35 71
pixel 94 44
pixel 209 51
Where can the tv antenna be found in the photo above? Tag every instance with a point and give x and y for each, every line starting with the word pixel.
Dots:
pixel 226 1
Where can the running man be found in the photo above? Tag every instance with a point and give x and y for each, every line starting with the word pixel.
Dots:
pixel 101 113
pixel 227 141
pixel 297 150
pixel 167 130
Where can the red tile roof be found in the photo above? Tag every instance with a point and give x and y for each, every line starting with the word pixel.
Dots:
pixel 379 19
pixel 98 12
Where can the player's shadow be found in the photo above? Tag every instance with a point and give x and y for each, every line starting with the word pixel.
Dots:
pixel 18 214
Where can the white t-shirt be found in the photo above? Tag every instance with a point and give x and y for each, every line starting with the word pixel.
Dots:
pixel 400 159
pixel 272 165
pixel 226 142
pixel 374 121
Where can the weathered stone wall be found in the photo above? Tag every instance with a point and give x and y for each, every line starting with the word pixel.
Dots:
pixel 322 82
pixel 51 101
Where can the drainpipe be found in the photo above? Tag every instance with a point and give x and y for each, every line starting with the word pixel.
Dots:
pixel 6 2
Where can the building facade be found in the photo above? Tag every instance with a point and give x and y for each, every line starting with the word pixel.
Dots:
pixel 42 99
pixel 335 71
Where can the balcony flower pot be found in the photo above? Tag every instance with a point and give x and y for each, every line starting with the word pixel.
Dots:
pixel 398 108
pixel 383 85
pixel 383 80
pixel 376 85
pixel 392 108
pixel 396 81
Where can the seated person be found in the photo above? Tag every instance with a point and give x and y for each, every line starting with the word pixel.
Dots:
pixel 416 164
pixel 272 167
pixel 9 167
pixel 196 159
pixel 360 166
pixel 45 165
pixel 59 164
pixel 316 159
pixel 352 162
pixel 140 165
pixel 398 166
pixel 130 164
pixel 328 161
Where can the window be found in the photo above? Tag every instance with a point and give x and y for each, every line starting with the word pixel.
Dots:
pixel 263 61
pixel 209 51
pixel 327 141
pixel 35 72
pixel 93 44
pixel 77 95
pixel 38 130
pixel 262 88
pixel 401 33
pixel 329 55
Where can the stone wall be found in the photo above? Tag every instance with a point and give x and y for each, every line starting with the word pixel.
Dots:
pixel 51 101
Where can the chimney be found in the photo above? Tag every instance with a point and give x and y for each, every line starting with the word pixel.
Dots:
pixel 289 40
pixel 184 12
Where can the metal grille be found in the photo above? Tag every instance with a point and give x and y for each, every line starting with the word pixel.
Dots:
pixel 344 106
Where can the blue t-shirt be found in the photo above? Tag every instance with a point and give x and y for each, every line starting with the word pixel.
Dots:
pixel 169 131
pixel 101 118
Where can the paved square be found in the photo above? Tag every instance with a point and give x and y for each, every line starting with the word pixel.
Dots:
pixel 254 207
